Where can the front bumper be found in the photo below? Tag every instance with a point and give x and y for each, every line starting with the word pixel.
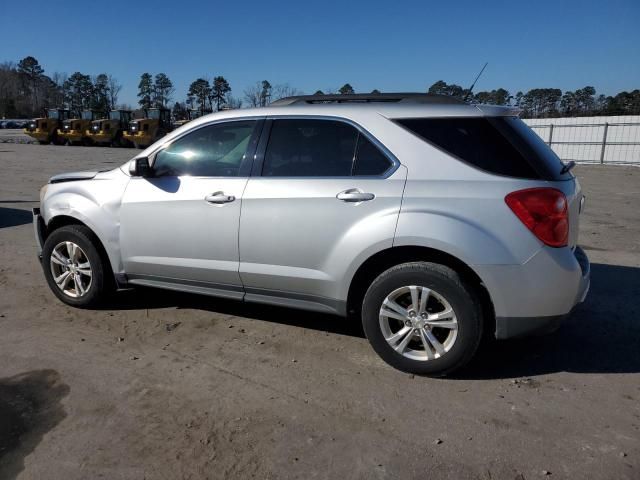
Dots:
pixel 38 229
pixel 101 137
pixel 38 135
pixel 72 135
pixel 139 138
pixel 535 297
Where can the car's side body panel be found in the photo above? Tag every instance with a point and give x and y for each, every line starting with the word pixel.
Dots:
pixel 169 230
pixel 296 236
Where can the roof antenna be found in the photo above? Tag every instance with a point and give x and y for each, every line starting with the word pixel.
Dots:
pixel 474 83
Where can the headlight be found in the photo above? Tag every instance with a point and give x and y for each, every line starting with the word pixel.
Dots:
pixel 43 191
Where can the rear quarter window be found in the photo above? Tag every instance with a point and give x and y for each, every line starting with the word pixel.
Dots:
pixel 499 145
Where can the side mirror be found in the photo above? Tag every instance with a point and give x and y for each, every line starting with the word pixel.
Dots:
pixel 139 167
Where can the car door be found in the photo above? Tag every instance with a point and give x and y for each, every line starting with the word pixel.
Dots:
pixel 322 195
pixel 179 226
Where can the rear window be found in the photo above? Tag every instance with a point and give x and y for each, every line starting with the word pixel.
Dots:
pixel 500 145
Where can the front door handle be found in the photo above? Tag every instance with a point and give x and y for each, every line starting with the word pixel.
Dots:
pixel 355 195
pixel 219 197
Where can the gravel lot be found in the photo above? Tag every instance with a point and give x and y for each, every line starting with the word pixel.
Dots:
pixel 161 385
pixel 14 135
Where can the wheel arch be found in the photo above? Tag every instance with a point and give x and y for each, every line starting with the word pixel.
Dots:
pixel 385 259
pixel 60 221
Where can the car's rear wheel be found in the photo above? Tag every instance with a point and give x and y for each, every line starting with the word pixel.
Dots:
pixel 73 266
pixel 421 318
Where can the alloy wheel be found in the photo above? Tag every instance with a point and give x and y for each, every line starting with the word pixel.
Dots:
pixel 71 269
pixel 418 323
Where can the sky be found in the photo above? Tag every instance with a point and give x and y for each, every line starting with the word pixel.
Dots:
pixel 390 46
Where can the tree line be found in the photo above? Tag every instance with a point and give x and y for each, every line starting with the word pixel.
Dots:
pixel 25 91
pixel 550 102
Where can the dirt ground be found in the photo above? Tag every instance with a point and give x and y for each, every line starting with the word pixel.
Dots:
pixel 161 385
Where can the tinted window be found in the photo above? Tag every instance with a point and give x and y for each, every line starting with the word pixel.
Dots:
pixel 213 151
pixel 532 147
pixel 317 148
pixel 369 159
pixel 500 145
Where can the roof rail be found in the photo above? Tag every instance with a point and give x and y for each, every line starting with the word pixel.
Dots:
pixel 369 98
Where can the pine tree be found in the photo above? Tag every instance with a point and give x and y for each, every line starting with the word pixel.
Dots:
pixel 219 91
pixel 163 89
pixel 31 72
pixel 346 89
pixel 201 91
pixel 145 90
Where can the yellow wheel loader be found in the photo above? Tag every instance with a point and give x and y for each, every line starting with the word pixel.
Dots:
pixel 154 124
pixel 109 131
pixel 45 129
pixel 191 115
pixel 75 130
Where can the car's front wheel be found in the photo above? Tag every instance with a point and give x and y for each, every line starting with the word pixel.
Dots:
pixel 421 318
pixel 73 266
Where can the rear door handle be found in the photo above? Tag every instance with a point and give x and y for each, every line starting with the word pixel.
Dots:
pixel 355 195
pixel 219 197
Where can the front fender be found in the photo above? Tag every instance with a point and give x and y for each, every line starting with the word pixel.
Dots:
pixel 95 203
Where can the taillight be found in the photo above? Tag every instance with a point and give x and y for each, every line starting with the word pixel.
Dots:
pixel 544 212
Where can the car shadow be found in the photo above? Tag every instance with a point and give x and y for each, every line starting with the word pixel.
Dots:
pixel 601 336
pixel 142 298
pixel 13 217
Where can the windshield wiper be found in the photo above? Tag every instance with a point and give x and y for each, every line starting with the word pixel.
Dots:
pixel 566 167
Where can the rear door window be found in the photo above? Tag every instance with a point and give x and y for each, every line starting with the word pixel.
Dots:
pixel 499 145
pixel 321 148
pixel 369 161
pixel 310 148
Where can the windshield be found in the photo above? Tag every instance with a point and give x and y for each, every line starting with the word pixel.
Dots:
pixel 154 113
pixel 114 115
pixel 53 114
pixel 87 115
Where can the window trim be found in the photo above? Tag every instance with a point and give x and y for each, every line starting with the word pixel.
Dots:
pixel 256 170
pixel 249 156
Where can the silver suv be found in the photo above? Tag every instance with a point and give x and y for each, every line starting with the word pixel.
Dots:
pixel 430 219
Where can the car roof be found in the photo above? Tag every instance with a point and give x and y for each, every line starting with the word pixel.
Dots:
pixel 357 111
pixel 402 105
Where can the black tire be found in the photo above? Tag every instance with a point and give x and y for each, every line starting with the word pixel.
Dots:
pixel 43 142
pixel 56 140
pixel 101 283
pixel 447 283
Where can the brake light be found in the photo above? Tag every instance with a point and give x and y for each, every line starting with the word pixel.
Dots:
pixel 544 212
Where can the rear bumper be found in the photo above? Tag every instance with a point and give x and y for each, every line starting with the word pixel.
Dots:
pixel 514 327
pixel 535 297
pixel 38 229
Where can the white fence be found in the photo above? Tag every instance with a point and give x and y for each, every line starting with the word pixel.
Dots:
pixel 592 139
